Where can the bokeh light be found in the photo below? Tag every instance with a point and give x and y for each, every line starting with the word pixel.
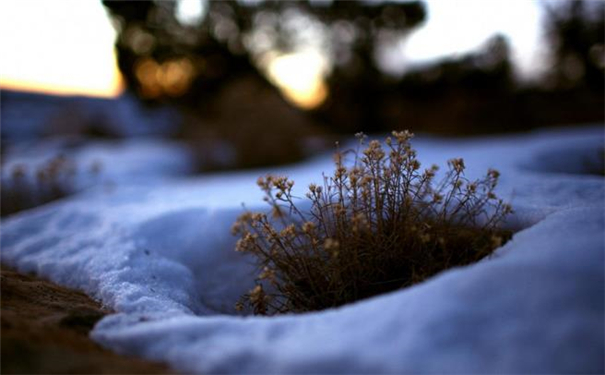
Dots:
pixel 300 76
pixel 171 77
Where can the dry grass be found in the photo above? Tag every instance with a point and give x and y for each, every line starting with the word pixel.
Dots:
pixel 26 188
pixel 377 224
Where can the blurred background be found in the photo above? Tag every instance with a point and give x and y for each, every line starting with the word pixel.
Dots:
pixel 250 82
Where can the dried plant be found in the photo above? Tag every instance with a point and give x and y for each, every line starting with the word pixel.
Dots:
pixel 25 188
pixel 376 225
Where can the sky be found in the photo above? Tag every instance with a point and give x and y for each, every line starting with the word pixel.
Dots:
pixel 60 46
pixel 456 27
pixel 66 46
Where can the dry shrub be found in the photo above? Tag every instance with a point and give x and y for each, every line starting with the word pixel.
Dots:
pixel 26 188
pixel 376 225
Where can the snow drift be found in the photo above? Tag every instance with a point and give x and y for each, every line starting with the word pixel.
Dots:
pixel 160 254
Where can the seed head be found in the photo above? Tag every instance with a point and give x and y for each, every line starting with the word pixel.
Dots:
pixel 457 164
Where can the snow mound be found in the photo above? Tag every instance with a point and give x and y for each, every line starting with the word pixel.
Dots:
pixel 162 257
pixel 100 162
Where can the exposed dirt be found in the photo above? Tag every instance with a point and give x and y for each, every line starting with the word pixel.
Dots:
pixel 45 330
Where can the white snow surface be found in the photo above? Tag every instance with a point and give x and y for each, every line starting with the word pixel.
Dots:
pixel 161 256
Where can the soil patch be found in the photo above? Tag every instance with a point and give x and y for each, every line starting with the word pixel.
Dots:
pixel 45 330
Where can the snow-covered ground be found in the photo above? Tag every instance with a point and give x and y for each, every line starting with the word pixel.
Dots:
pixel 100 162
pixel 160 254
pixel 27 116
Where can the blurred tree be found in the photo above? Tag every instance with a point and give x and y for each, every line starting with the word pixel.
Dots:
pixel 357 85
pixel 466 94
pixel 576 31
pixel 163 57
pixel 227 66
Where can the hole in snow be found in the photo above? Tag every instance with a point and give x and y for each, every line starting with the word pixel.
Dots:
pixel 199 242
pixel 577 159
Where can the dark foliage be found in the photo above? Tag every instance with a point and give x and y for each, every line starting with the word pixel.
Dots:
pixel 475 93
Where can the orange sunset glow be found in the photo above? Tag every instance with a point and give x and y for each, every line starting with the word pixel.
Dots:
pixel 300 77
pixel 62 47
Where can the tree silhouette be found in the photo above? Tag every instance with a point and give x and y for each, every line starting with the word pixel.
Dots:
pixel 576 31
pixel 206 66
pixel 162 58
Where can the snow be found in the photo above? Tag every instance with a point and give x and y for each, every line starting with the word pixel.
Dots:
pixel 116 161
pixel 159 253
pixel 27 116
